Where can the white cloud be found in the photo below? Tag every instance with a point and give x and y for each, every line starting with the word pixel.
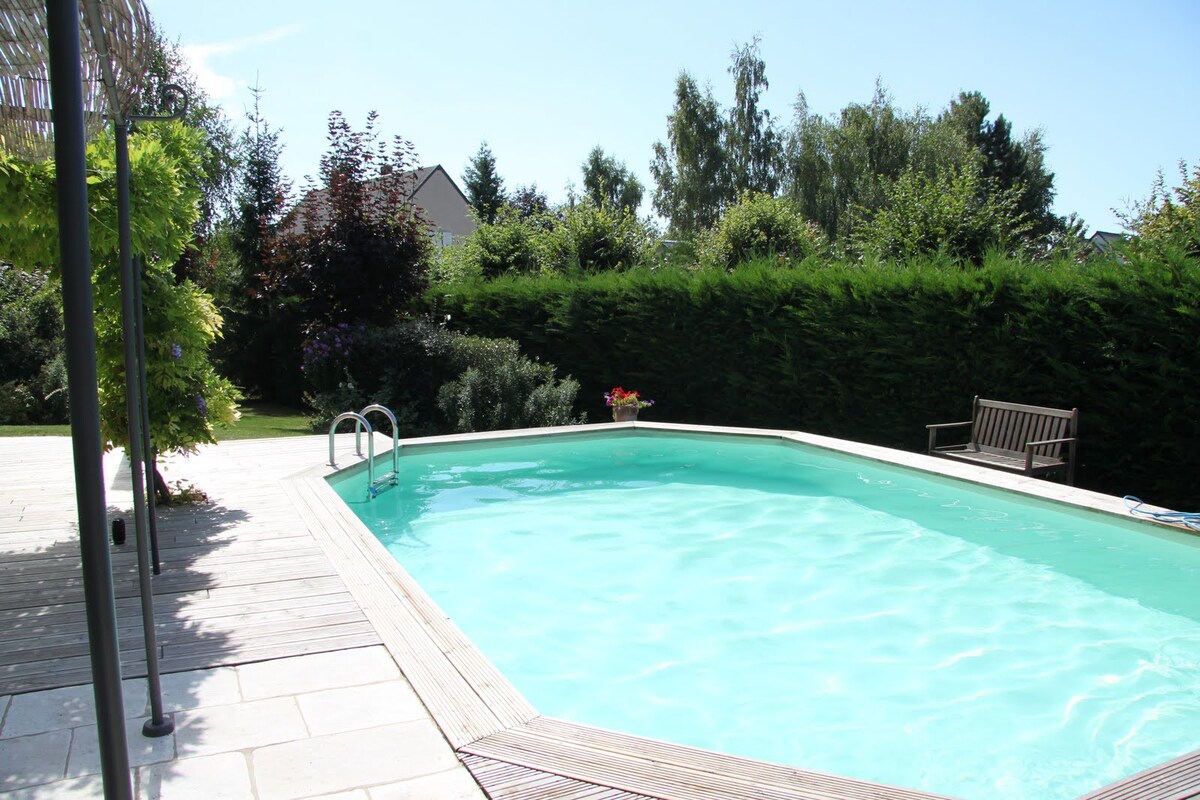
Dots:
pixel 218 86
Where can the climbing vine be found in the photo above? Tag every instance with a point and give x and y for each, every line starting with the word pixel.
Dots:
pixel 186 396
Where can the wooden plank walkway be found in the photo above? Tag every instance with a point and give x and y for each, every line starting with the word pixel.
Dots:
pixel 242 578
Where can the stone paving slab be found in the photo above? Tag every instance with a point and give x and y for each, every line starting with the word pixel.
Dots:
pixel 224 776
pixel 313 673
pixel 387 754
pixel 355 707
pixel 341 726
pixel 200 689
pixel 221 729
pixel 85 749
pixel 89 788
pixel 453 785
pixel 30 760
pixel 69 707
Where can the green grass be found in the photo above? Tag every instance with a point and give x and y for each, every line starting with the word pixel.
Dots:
pixel 35 430
pixel 266 421
pixel 259 421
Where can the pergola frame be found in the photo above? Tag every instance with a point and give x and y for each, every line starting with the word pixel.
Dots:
pixel 65 67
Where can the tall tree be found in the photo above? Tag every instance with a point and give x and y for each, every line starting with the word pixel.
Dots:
pixel 262 194
pixel 485 187
pixel 1008 163
pixel 259 352
pixel 358 248
pixel 691 170
pixel 753 145
pixel 608 183
pixel 836 165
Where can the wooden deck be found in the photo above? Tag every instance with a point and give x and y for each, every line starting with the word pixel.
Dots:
pixel 277 566
pixel 242 578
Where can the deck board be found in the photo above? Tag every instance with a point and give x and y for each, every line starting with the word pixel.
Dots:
pixel 661 769
pixel 242 577
pixel 506 781
pixel 1178 779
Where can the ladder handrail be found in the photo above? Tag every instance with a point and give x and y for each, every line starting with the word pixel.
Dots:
pixel 359 420
pixel 395 433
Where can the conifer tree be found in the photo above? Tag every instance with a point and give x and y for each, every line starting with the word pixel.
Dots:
pixel 262 350
pixel 485 187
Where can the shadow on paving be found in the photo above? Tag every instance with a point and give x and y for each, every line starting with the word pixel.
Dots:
pixel 242 581
pixel 42 612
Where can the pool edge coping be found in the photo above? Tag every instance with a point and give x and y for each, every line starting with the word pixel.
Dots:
pixel 482 714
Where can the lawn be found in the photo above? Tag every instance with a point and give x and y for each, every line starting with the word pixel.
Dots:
pixel 266 421
pixel 259 421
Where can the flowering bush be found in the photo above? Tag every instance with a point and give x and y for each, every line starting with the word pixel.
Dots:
pixel 617 397
pixel 330 354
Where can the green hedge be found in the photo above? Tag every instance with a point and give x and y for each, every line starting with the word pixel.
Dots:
pixel 873 353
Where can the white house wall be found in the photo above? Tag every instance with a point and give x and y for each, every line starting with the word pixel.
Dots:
pixel 444 206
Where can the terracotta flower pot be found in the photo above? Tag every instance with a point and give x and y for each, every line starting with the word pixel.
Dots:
pixel 624 413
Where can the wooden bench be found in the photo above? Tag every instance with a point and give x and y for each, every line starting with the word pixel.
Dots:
pixel 1019 438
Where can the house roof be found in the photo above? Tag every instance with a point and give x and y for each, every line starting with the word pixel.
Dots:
pixel 314 199
pixel 1104 240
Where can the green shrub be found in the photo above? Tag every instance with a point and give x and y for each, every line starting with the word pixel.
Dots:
pixel 32 372
pixel 509 245
pixel 583 238
pixel 501 389
pixel 433 379
pixel 953 212
pixel 760 226
pixel 594 238
pixel 401 366
pixel 1170 215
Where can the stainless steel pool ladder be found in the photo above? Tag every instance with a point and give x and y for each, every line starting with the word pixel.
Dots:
pixel 393 476
pixel 360 422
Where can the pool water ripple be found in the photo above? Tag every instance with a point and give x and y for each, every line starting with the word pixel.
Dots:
pixel 812 610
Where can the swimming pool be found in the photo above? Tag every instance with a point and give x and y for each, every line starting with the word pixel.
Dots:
pixel 795 605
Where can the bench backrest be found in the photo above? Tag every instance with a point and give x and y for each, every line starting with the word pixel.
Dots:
pixel 1009 426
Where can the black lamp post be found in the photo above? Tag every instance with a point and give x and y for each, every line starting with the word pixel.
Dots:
pixel 66 80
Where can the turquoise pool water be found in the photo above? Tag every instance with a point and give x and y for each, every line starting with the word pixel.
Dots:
pixel 790 604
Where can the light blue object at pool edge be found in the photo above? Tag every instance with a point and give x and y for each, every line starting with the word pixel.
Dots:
pixel 789 604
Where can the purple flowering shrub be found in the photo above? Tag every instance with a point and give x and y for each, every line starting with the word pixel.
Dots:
pixel 327 353
pixel 419 370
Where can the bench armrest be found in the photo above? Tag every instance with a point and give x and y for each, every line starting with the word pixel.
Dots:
pixel 1030 445
pixel 938 426
pixel 1049 441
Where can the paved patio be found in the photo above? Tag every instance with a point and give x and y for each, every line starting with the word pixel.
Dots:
pixel 295 698
pixel 343 724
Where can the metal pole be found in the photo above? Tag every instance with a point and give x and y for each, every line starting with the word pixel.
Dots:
pixel 147 449
pixel 66 93
pixel 157 725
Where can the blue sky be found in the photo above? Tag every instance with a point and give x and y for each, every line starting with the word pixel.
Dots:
pixel 1113 87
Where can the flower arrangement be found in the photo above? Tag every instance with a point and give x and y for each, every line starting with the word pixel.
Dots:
pixel 617 397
